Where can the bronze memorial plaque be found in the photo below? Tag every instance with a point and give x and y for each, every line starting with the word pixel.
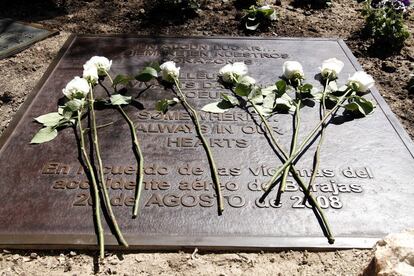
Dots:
pixel 365 184
pixel 17 36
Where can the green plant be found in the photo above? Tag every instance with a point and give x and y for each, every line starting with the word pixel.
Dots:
pixel 385 24
pixel 256 16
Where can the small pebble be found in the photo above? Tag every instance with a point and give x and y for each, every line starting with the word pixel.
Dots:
pixel 33 256
pixel 291 8
pixel 388 67
pixel 114 262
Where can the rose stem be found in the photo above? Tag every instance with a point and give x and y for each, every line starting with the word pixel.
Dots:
pixel 293 156
pixel 294 140
pixel 316 157
pixel 297 177
pixel 107 200
pixel 138 151
pixel 100 126
pixel 215 177
pixel 97 204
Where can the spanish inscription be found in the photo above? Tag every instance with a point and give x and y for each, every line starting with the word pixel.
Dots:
pixel 46 192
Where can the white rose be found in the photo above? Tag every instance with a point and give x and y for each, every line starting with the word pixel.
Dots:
pixel 102 64
pixel 231 72
pixel 246 80
pixel 91 74
pixel 362 81
pixel 293 70
pixel 226 73
pixel 169 71
pixel 239 69
pixel 331 68
pixel 77 88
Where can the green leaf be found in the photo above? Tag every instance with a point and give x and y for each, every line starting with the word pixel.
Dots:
pixel 281 86
pixel 67 113
pixel 306 91
pixel 306 88
pixel 266 12
pixel 162 105
pixel 317 95
pixel 118 99
pixel 46 134
pixel 273 16
pixel 50 119
pixel 242 89
pixel 60 110
pixel 252 27
pixel 269 101
pixel 217 107
pixel 284 103
pixel 231 99
pixel 147 74
pixel 256 95
pixel 74 105
pixel 122 79
pixel 269 90
pixel 154 64
pixel 264 111
pixel 360 105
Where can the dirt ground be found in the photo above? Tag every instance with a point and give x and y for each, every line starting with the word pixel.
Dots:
pixel 350 262
pixel 20 73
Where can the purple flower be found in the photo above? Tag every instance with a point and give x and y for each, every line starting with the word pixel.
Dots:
pixel 398 5
pixel 406 2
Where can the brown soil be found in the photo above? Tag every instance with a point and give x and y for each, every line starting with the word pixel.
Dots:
pixel 20 73
pixel 350 262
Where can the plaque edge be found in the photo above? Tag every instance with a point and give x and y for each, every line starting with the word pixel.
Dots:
pixel 216 243
pixel 385 108
pixel 32 95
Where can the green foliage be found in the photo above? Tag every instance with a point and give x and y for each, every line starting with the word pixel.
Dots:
pixel 45 134
pixel 242 89
pixel 386 26
pixel 217 107
pixel 230 99
pixel 257 16
pixel 147 74
pixel 359 106
pixel 118 99
pixel 122 80
pixel 54 120
pixel 50 119
pixel 164 104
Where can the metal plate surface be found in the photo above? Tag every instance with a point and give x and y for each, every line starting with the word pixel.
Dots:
pixel 17 36
pixel 365 184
